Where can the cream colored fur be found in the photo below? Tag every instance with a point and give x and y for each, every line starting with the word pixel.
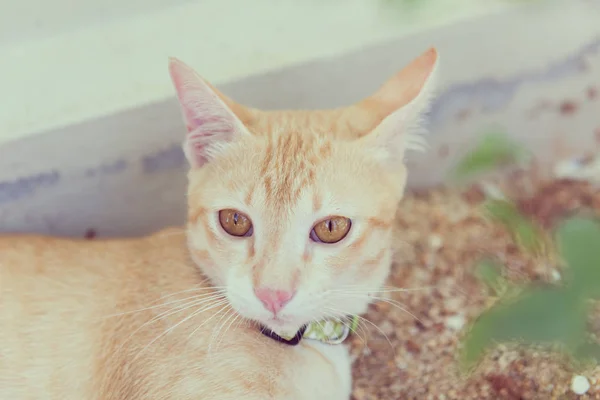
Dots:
pixel 173 315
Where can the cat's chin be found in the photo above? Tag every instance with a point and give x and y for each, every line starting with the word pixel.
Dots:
pixel 282 327
pixel 281 324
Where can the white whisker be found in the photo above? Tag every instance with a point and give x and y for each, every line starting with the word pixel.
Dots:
pixel 366 320
pixel 215 334
pixel 205 322
pixel 196 289
pixel 392 302
pixel 341 320
pixel 204 296
pixel 193 314
pixel 383 289
pixel 227 329
pixel 168 313
pixel 398 305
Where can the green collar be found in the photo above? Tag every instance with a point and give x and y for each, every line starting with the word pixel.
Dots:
pixel 325 331
pixel 331 332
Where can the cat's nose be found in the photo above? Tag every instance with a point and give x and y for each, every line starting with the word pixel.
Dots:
pixel 274 300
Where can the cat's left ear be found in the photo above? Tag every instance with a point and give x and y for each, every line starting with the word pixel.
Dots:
pixel 212 119
pixel 400 105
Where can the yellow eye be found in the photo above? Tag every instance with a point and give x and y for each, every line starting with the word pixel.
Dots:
pixel 235 223
pixel 331 230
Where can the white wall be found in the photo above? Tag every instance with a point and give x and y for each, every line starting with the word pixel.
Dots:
pixel 67 61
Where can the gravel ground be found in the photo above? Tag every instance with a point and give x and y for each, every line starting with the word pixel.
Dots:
pixel 441 233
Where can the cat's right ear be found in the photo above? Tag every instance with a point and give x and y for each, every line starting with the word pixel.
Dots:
pixel 209 116
pixel 395 111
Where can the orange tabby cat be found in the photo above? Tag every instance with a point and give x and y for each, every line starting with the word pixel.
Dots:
pixel 290 221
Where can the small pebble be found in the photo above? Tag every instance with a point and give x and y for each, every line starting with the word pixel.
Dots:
pixel 387 327
pixel 435 242
pixel 401 365
pixel 492 191
pixel 455 322
pixel 579 384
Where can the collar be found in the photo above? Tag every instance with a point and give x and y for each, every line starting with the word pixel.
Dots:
pixel 325 331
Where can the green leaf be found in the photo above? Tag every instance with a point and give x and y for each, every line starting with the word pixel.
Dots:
pixel 579 243
pixel 492 151
pixel 523 230
pixel 538 316
pixel 588 351
pixel 489 273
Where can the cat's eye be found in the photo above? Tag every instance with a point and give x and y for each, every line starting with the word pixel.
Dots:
pixel 235 223
pixel 331 230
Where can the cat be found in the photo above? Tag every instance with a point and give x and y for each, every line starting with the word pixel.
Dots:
pixel 290 217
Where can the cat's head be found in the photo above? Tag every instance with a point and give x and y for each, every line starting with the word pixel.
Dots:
pixel 291 212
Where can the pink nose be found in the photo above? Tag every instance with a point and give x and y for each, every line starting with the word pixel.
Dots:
pixel 274 300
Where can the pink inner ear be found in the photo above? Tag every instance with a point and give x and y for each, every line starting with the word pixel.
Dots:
pixel 208 119
pixel 188 86
pixel 204 131
pixel 217 123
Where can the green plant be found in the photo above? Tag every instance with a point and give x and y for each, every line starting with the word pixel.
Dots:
pixel 525 233
pixel 539 315
pixel 548 314
pixel 493 150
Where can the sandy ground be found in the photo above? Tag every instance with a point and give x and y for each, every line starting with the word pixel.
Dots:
pixel 441 234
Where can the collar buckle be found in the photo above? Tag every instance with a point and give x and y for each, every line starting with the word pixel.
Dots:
pixel 337 340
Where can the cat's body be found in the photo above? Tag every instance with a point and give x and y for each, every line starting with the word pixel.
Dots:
pixel 290 221
pixel 65 340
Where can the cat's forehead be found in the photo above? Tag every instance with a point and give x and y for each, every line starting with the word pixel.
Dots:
pixel 289 167
pixel 299 149
pixel 334 123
